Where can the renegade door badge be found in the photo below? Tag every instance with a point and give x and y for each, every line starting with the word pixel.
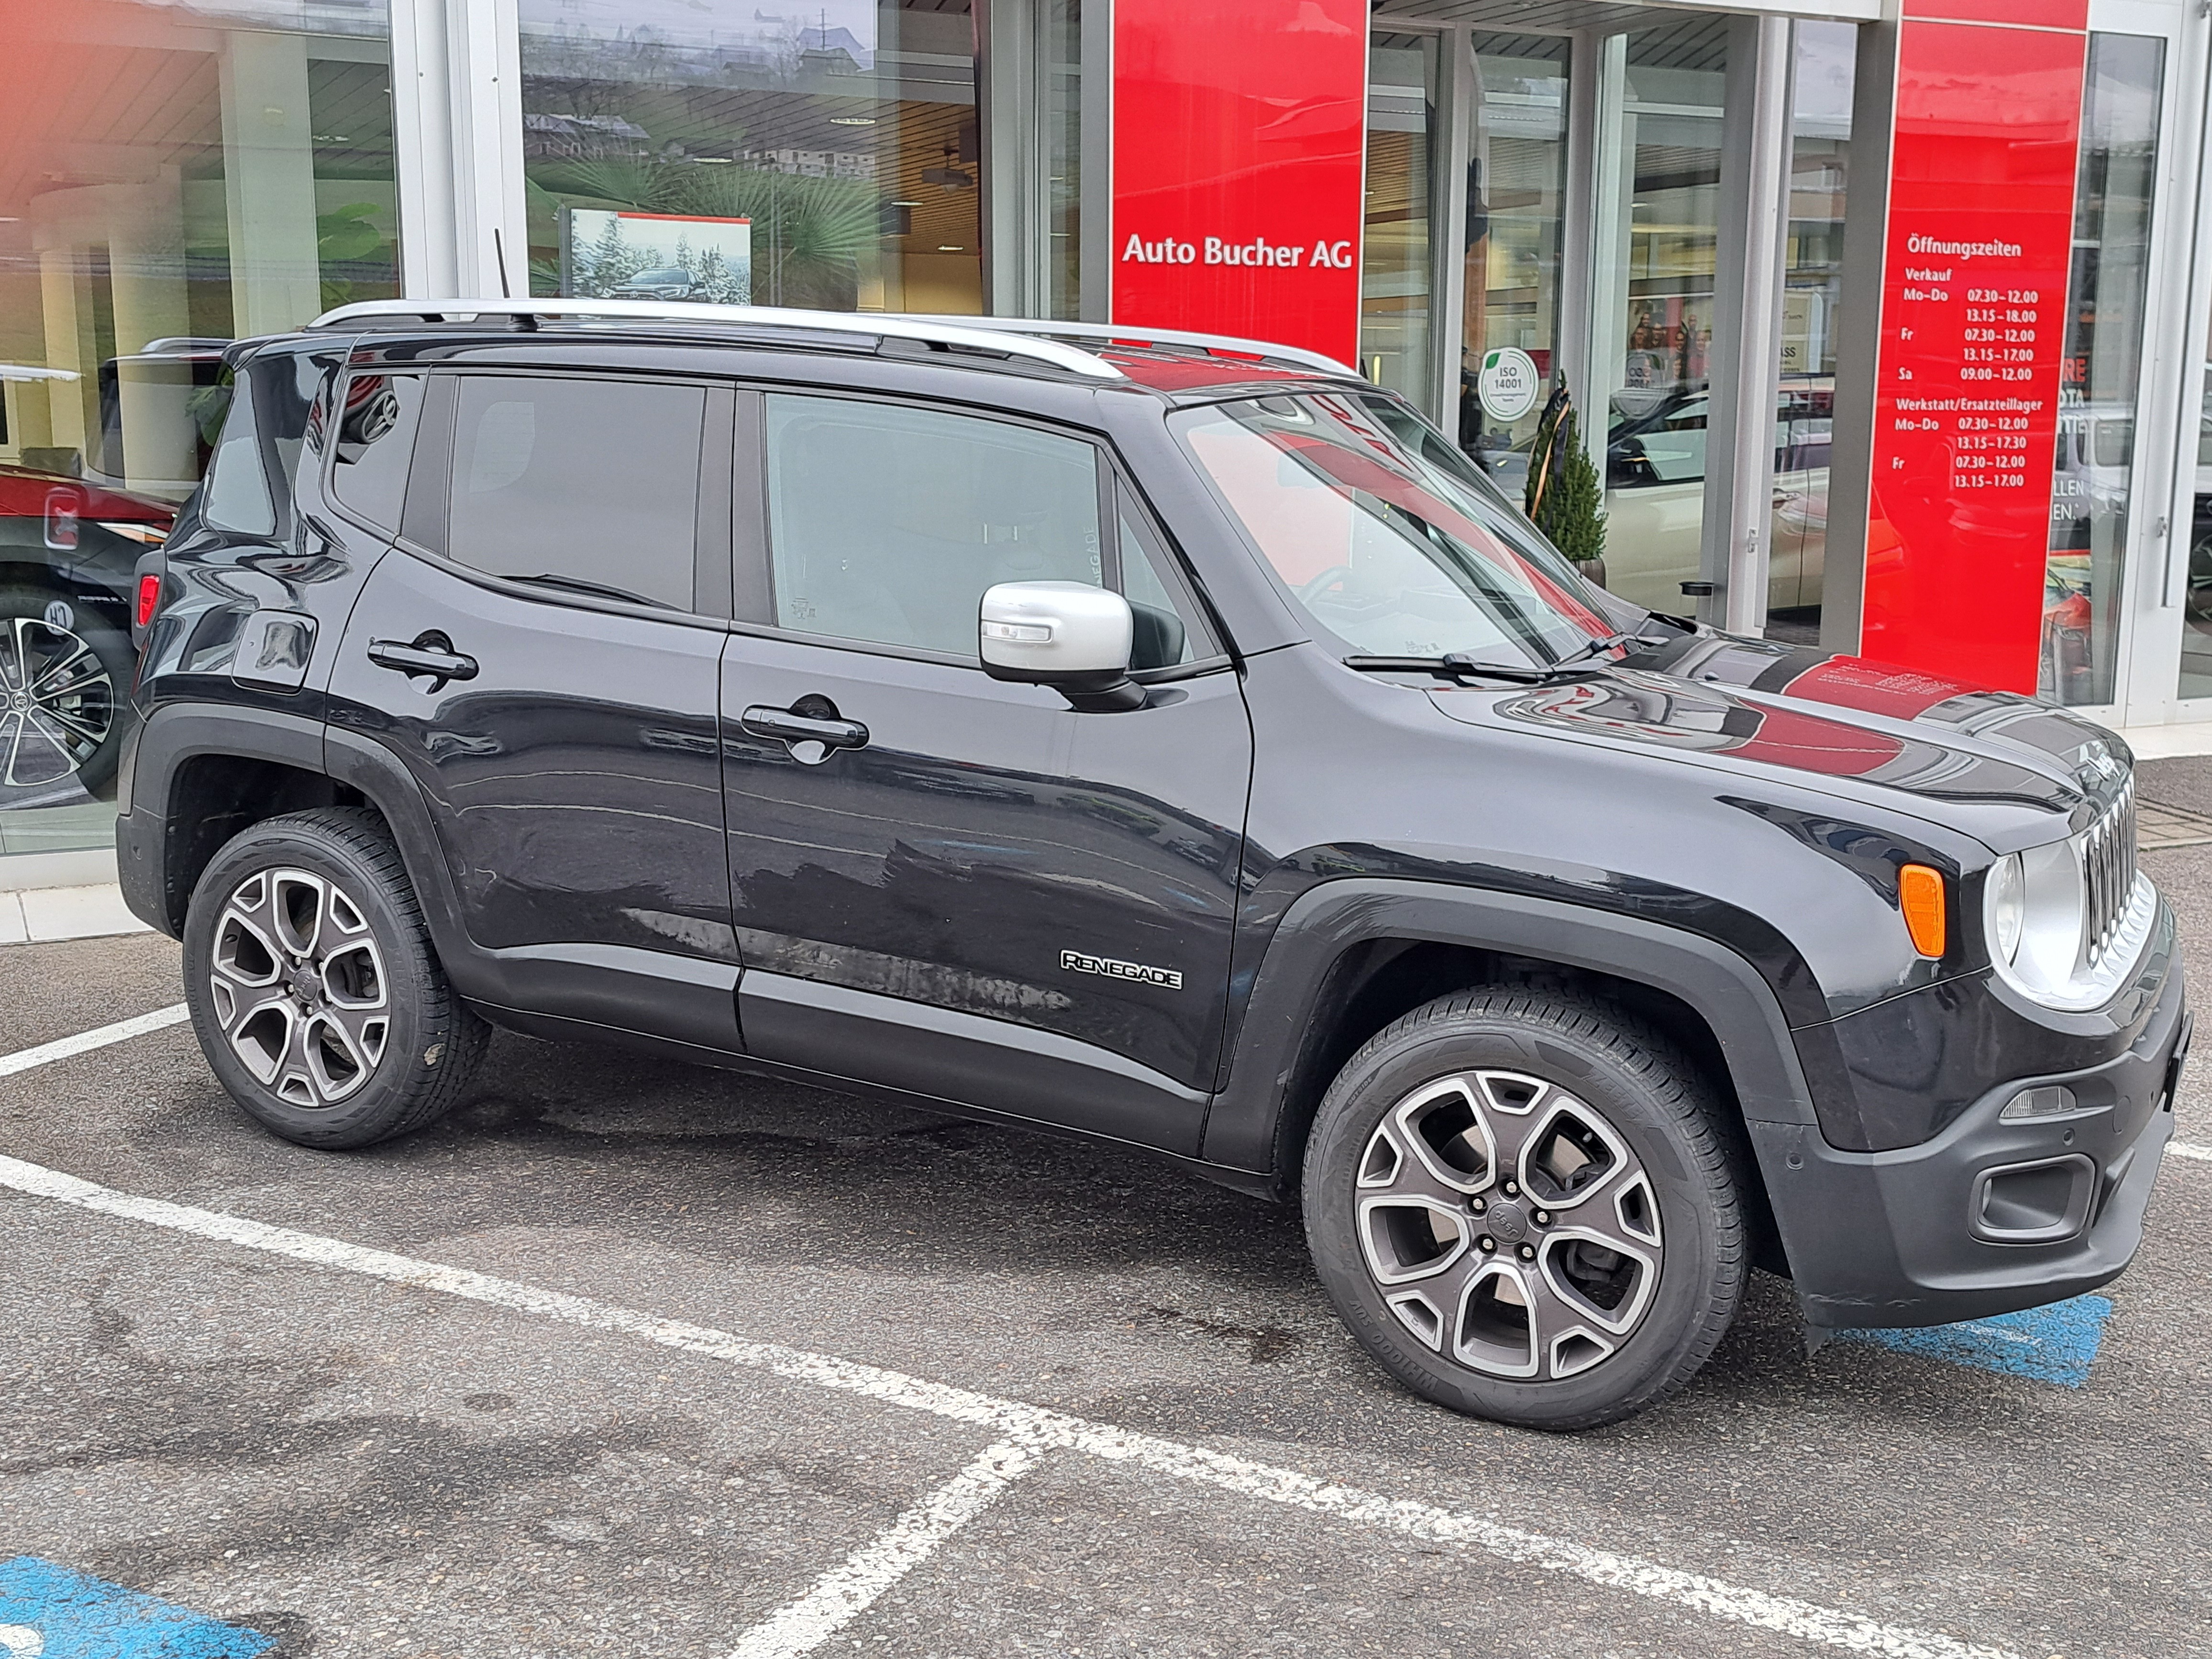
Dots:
pixel 1076 961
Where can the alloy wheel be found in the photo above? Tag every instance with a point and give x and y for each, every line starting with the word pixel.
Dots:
pixel 298 986
pixel 1508 1226
pixel 57 703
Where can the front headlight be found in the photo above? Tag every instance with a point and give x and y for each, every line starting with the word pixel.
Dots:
pixel 2006 899
pixel 2035 907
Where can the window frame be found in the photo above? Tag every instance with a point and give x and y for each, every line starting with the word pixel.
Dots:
pixel 754 554
pixel 425 513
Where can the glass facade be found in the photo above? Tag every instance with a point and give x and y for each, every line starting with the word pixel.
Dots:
pixel 1658 208
pixel 2195 675
pixel 1061 72
pixel 1397 272
pixel 172 176
pixel 1514 255
pixel 2102 369
pixel 824 156
pixel 1822 74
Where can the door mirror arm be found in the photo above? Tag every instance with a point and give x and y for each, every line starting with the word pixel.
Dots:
pixel 1070 636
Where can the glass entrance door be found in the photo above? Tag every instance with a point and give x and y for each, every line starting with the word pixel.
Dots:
pixel 2093 480
pixel 1654 270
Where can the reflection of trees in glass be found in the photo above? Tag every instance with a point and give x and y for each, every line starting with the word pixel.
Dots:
pixel 809 234
pixel 344 237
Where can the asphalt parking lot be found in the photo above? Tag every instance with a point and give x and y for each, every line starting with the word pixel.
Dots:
pixel 632 1358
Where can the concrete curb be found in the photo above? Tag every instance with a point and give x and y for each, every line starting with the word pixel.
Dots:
pixel 40 914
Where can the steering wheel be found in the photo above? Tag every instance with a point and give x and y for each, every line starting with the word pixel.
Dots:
pixel 1335 572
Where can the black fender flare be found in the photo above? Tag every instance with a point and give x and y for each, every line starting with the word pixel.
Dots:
pixel 177 733
pixel 157 748
pixel 1251 1124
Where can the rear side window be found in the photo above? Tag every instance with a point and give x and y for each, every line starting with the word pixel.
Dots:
pixel 376 424
pixel 236 493
pixel 593 482
pixel 248 488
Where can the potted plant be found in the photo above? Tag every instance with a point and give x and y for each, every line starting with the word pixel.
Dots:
pixel 1565 498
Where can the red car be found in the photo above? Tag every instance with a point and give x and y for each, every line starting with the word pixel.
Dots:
pixel 69 553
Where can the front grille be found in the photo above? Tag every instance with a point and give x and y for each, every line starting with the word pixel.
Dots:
pixel 2108 868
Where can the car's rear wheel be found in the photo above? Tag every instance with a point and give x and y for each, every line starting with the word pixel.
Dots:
pixel 65 692
pixel 1524 1207
pixel 314 988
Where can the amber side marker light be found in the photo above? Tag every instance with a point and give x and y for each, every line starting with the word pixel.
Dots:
pixel 1920 895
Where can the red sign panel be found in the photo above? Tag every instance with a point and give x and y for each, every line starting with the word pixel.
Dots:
pixel 2021 13
pixel 1981 224
pixel 1239 140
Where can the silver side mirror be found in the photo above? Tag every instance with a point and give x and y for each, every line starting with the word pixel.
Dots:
pixel 1069 635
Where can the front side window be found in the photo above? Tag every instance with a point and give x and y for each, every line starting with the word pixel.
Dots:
pixel 886 523
pixel 584 483
pixel 1391 551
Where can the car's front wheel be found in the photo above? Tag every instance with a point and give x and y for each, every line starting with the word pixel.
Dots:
pixel 313 986
pixel 1524 1207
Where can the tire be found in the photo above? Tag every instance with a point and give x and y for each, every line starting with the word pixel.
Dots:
pixel 1584 1149
pixel 65 675
pixel 314 988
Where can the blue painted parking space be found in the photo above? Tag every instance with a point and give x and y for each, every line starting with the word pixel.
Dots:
pixel 2054 1343
pixel 48 1611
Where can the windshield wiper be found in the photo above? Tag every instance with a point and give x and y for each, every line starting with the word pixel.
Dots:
pixel 597 590
pixel 1465 664
pixel 1597 649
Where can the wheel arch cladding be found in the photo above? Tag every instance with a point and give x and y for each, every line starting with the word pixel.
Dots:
pixel 1353 954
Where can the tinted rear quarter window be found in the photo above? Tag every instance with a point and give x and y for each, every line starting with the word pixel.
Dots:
pixel 248 487
pixel 593 480
pixel 377 420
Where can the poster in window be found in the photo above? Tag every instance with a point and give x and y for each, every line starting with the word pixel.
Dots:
pixel 610 255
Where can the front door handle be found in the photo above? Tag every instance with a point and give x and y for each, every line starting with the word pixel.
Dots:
pixel 430 653
pixel 811 736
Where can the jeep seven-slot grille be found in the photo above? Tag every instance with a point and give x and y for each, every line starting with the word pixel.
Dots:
pixel 2108 866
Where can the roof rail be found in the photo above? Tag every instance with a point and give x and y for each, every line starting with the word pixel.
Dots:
pixel 975 334
pixel 1133 333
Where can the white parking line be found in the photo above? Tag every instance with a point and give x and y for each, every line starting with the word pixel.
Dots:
pixel 2183 1148
pixel 98 1037
pixel 849 1588
pixel 1033 1425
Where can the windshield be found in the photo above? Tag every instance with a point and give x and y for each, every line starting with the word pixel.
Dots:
pixel 1356 506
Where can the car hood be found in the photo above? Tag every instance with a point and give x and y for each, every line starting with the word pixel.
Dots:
pixel 1851 725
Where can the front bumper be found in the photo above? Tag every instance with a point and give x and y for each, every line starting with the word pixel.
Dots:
pixel 1915 1236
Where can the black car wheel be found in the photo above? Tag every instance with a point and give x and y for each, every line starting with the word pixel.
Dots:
pixel 65 687
pixel 314 988
pixel 1524 1207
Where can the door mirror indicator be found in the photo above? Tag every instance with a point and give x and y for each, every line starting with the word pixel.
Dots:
pixel 1069 635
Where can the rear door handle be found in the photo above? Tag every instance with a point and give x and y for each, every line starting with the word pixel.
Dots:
pixel 811 737
pixel 429 653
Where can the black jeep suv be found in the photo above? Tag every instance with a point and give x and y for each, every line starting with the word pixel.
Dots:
pixel 1152 738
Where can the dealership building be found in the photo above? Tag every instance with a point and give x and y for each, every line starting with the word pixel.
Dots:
pixel 1884 320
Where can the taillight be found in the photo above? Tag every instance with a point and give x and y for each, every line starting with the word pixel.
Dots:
pixel 149 596
pixel 63 508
